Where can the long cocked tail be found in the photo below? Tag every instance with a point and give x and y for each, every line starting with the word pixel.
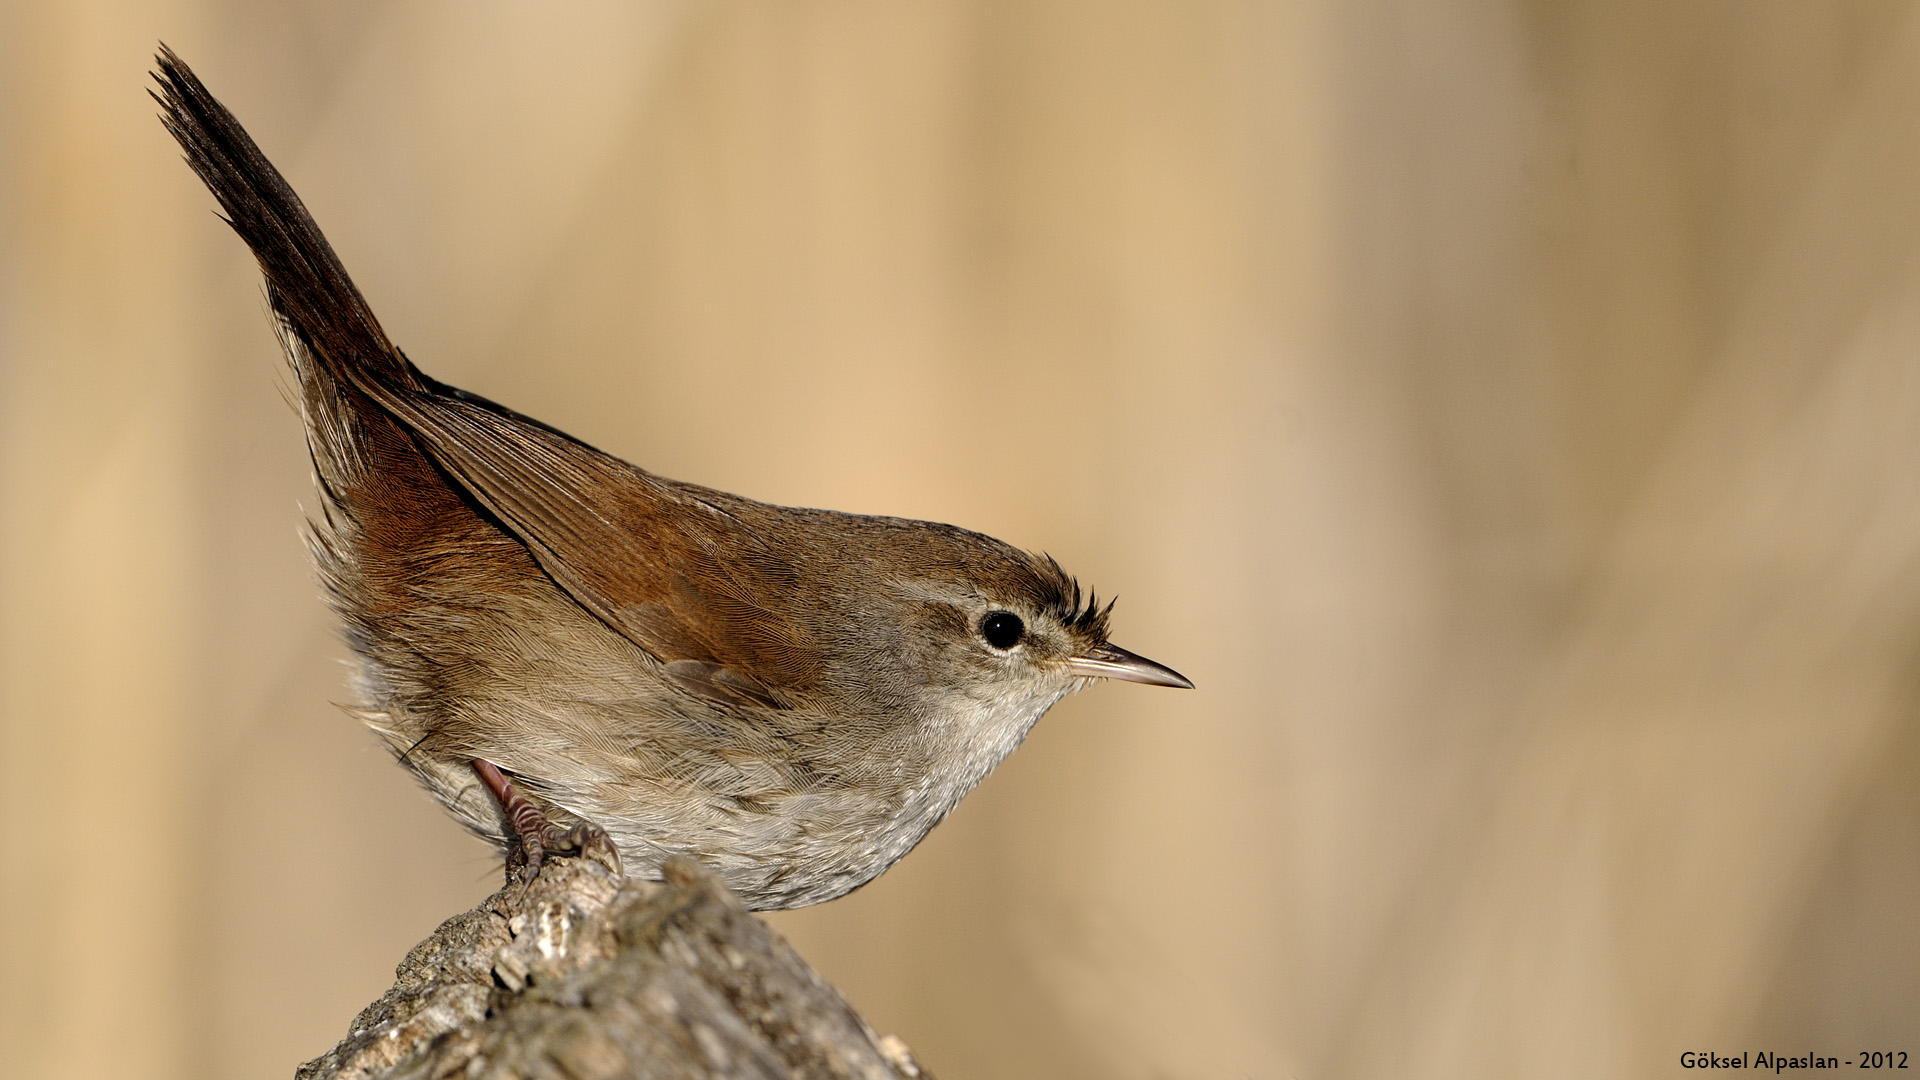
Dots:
pixel 389 520
pixel 630 548
pixel 308 288
pixel 333 342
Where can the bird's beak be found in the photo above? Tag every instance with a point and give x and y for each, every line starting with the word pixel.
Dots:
pixel 1105 661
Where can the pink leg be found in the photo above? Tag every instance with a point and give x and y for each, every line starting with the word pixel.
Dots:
pixel 530 826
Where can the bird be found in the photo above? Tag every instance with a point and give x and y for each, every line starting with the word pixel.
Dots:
pixel 569 651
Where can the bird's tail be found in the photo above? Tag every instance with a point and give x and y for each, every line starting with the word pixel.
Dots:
pixel 333 342
pixel 309 289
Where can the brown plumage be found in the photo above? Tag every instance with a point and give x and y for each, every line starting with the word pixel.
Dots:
pixel 796 696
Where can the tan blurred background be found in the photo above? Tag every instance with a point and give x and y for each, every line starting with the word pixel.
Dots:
pixel 1509 415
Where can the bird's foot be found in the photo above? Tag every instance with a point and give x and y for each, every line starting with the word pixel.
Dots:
pixel 539 835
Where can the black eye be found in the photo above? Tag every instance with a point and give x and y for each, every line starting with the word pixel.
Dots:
pixel 1002 629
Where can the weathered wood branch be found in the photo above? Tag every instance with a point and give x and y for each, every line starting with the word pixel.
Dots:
pixel 588 977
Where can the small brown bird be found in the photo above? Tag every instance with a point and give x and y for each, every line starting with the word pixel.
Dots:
pixel 566 648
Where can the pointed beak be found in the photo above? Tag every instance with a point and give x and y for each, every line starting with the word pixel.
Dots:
pixel 1113 662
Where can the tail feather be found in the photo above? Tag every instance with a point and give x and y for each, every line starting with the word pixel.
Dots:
pixel 306 284
pixel 382 502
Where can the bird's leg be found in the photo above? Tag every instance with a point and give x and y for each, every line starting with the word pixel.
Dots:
pixel 537 834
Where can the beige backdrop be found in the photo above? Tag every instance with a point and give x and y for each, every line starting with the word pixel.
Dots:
pixel 1508 413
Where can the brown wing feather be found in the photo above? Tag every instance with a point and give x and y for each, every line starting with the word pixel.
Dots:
pixel 679 577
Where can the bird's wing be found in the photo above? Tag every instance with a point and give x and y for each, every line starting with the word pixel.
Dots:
pixel 677 575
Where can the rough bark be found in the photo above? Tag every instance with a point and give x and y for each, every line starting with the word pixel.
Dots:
pixel 588 976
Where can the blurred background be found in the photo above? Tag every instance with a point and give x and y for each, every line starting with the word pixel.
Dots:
pixel 1507 413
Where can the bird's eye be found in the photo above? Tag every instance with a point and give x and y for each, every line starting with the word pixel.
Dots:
pixel 1002 629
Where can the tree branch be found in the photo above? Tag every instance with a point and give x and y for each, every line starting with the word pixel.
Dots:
pixel 589 977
